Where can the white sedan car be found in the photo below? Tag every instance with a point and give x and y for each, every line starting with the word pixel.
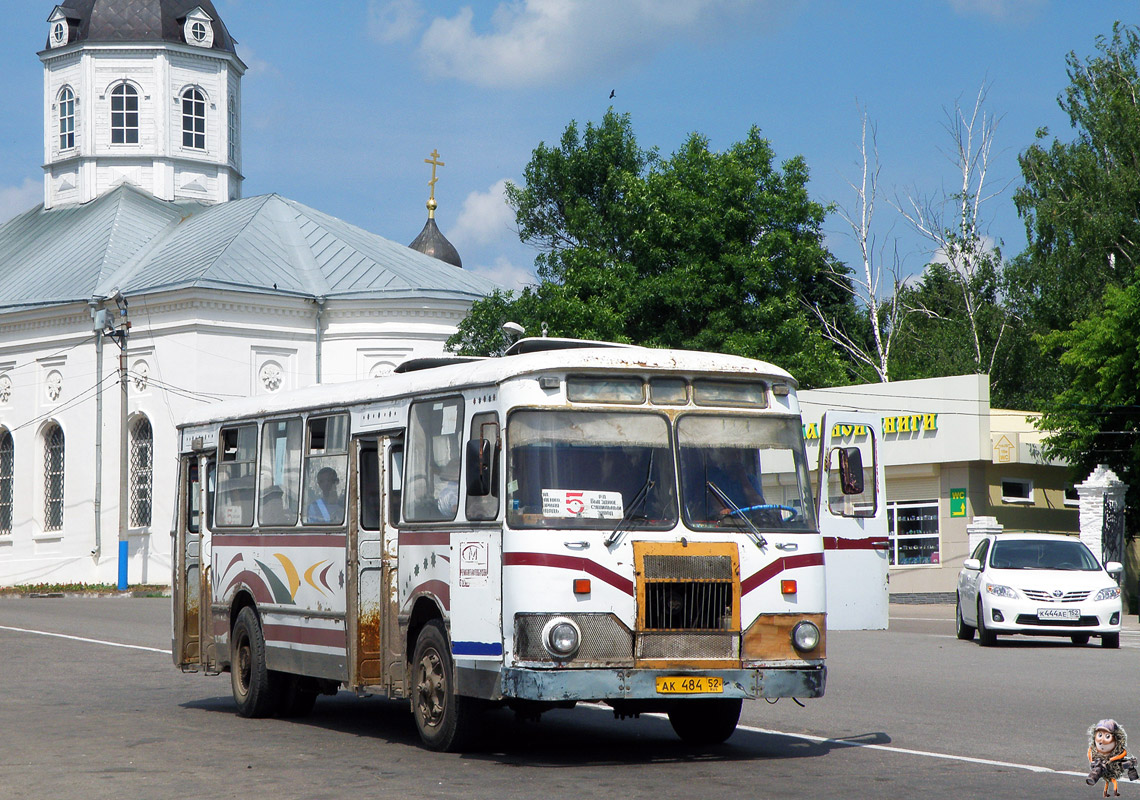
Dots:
pixel 1041 584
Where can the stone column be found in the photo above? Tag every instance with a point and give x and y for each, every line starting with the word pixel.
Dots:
pixel 1100 487
pixel 978 529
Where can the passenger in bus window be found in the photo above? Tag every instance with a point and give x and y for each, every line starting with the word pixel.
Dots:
pixel 328 506
pixel 447 488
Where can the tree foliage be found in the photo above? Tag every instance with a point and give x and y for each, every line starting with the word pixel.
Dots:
pixel 701 250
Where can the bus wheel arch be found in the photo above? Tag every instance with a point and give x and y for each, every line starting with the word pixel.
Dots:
pixel 424 611
pixel 256 688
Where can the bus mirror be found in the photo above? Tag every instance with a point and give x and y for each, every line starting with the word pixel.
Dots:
pixel 851 470
pixel 478 467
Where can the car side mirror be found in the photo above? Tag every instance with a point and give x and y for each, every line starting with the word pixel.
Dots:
pixel 1114 568
pixel 851 470
pixel 478 467
pixel 972 563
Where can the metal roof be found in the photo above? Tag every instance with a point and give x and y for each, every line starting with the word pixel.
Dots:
pixel 139 21
pixel 128 239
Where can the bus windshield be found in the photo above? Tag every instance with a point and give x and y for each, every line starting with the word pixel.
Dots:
pixel 590 470
pixel 735 468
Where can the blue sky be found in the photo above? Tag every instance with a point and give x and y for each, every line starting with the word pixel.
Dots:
pixel 344 99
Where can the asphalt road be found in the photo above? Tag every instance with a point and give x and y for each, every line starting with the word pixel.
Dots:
pixel 908 712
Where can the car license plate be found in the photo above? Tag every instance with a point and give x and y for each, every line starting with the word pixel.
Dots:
pixel 689 684
pixel 1058 613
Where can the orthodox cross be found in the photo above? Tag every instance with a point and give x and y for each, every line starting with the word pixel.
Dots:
pixel 435 162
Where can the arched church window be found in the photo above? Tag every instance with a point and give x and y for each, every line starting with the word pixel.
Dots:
pixel 66 119
pixel 53 477
pixel 124 114
pixel 194 119
pixel 142 472
pixel 7 474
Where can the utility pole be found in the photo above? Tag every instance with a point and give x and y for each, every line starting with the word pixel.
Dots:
pixel 120 335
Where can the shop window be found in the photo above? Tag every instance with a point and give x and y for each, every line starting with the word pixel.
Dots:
pixel 1014 490
pixel 914 533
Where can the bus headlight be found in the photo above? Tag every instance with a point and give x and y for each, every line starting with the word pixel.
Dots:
pixel 561 637
pixel 805 636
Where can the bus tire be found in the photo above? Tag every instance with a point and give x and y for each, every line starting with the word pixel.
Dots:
pixel 255 688
pixel 445 721
pixel 703 722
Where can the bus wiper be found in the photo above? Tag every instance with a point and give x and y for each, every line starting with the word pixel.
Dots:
pixel 734 510
pixel 638 499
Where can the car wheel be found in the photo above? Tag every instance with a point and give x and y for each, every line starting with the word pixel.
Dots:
pixel 986 637
pixel 1080 638
pixel 1110 641
pixel 965 632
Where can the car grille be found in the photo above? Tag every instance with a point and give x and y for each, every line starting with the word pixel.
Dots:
pixel 1047 597
pixel 1032 620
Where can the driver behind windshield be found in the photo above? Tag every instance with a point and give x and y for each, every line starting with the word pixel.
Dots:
pixel 733 471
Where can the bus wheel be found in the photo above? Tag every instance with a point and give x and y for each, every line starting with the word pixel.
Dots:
pixel 704 721
pixel 255 688
pixel 444 720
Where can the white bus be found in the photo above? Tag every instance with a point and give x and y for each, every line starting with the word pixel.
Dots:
pixel 571 521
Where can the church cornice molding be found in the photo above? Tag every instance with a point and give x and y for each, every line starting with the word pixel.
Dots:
pixel 142 48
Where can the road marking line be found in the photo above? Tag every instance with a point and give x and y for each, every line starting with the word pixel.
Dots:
pixel 907 751
pixel 82 639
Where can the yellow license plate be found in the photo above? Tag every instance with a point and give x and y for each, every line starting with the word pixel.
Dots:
pixel 688 684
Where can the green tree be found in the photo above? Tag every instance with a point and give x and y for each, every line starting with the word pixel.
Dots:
pixel 701 250
pixel 1080 198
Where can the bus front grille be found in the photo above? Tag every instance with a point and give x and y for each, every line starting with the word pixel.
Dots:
pixel 688 602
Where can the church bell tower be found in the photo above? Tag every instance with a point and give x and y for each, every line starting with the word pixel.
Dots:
pixel 145 92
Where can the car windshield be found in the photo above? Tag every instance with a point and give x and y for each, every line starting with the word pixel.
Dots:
pixel 590 469
pixel 1043 554
pixel 737 468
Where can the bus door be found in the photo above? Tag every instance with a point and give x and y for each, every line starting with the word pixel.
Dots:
pixel 853 521
pixel 378 657
pixel 193 639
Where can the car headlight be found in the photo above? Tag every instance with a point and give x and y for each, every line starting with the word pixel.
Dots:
pixel 561 637
pixel 805 636
pixel 997 590
pixel 1111 593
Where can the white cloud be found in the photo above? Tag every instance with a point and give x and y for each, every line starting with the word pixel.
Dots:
pixel 484 218
pixel 257 67
pixel 18 199
pixel 537 42
pixel 507 274
pixel 998 9
pixel 393 21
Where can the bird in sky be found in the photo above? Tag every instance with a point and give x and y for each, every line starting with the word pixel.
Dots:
pixel 611 94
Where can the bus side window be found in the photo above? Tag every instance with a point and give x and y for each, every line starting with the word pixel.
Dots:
pixel 326 467
pixel 368 471
pixel 486 426
pixel 279 484
pixel 395 480
pixel 434 456
pixel 236 476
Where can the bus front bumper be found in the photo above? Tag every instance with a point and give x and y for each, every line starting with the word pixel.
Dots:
pixel 561 685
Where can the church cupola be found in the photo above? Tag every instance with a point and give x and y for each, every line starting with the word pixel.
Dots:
pixel 145 92
pixel 431 241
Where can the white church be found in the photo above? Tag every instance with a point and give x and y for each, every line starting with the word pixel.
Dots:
pixel 145 260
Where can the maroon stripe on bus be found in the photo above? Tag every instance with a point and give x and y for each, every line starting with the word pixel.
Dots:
pixel 576 563
pixel 869 543
pixel 255 583
pixel 424 537
pixel 279 539
pixel 776 567
pixel 433 588
pixel 299 634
